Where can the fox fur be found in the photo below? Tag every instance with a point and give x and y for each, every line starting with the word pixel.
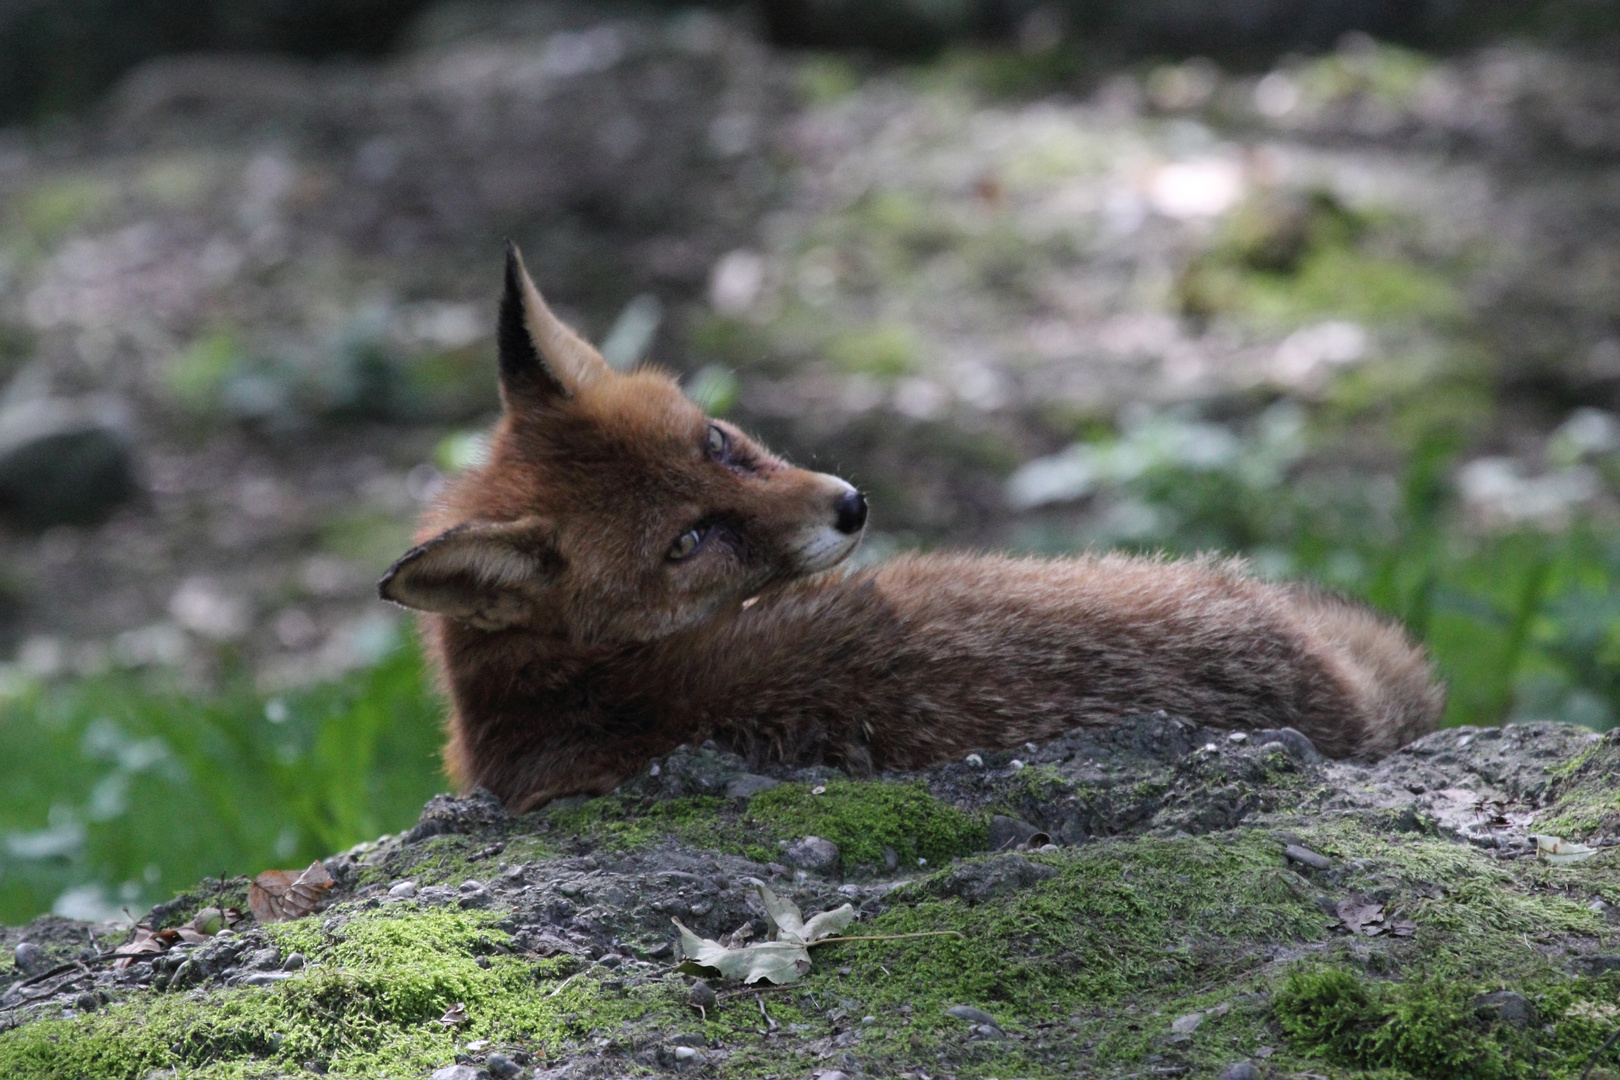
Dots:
pixel 625 574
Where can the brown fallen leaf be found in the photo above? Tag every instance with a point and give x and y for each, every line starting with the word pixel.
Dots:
pixel 282 895
pixel 1362 917
pixel 454 1016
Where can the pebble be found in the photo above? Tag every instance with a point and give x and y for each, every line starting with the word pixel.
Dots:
pixel 502 1067
pixel 971 1015
pixel 293 962
pixel 1307 857
pixel 702 996
pixel 402 890
pixel 1242 1070
pixel 456 1072
pixel 814 854
pixel 265 978
pixel 29 957
pixel 87 1002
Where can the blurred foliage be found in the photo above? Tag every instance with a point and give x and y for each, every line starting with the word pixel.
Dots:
pixel 117 791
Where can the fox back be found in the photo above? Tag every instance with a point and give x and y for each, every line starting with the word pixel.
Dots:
pixel 624 574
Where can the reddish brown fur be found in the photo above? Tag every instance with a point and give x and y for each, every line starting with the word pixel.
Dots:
pixel 574 649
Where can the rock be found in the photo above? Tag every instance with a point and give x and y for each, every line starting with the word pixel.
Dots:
pixel 1242 1070
pixel 1008 832
pixel 815 855
pixel 87 1002
pixel 402 890
pixel 746 786
pixel 64 462
pixel 473 894
pixel 459 1072
pixel 702 996
pixel 502 1067
pixel 188 974
pixel 1600 964
pixel 972 1015
pixel 293 962
pixel 265 978
pixel 1295 744
pixel 1187 1024
pixel 1506 1007
pixel 480 810
pixel 832 1074
pixel 1000 875
pixel 1307 857
pixel 30 957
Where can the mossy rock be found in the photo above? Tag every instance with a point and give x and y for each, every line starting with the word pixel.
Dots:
pixel 1183 899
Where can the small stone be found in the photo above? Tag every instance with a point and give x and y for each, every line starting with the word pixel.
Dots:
pixel 832 1074
pixel 1008 832
pixel 502 1067
pixel 814 854
pixel 1241 1070
pixel 891 859
pixel 702 996
pixel 29 957
pixel 473 894
pixel 293 962
pixel 265 978
pixel 1513 1009
pixel 971 1015
pixel 456 1072
pixel 749 785
pixel 402 890
pixel 975 760
pixel 1187 1024
pixel 1307 857
pixel 87 1002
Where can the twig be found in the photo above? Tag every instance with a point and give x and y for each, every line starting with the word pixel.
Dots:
pixel 564 983
pixel 1614 1036
pixel 771 1024
pixel 742 990
pixel 887 937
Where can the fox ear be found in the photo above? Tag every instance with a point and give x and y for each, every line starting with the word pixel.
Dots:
pixel 488 575
pixel 539 355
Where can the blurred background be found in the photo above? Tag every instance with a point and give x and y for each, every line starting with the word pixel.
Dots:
pixel 1334 283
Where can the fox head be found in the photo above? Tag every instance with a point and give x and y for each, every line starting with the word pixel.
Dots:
pixel 610 508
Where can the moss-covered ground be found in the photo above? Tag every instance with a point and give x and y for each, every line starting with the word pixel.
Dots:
pixel 1157 951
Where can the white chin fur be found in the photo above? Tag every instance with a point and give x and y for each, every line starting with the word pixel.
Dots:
pixel 823 547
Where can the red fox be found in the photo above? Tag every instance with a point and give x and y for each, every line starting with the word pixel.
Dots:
pixel 625 574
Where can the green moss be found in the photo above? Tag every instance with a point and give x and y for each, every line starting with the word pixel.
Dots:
pixel 624 823
pixel 1423 1028
pixel 863 818
pixel 366 1006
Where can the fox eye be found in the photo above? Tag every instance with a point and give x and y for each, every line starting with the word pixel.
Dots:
pixel 685 544
pixel 716 443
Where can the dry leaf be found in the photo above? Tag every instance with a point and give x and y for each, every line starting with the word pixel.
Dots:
pixel 781 961
pixel 1361 917
pixel 282 895
pixel 454 1016
pixel 1557 850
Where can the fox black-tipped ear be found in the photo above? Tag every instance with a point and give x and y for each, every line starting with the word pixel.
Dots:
pixel 488 575
pixel 539 355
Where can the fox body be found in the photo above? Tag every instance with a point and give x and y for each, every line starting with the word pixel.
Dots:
pixel 625 574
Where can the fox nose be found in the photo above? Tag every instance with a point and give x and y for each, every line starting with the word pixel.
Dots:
pixel 851 511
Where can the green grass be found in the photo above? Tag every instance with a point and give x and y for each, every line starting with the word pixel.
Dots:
pixel 134 790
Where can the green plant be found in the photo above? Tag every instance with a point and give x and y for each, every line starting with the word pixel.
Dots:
pixel 118 790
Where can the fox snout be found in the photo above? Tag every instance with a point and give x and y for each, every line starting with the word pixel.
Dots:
pixel 826 545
